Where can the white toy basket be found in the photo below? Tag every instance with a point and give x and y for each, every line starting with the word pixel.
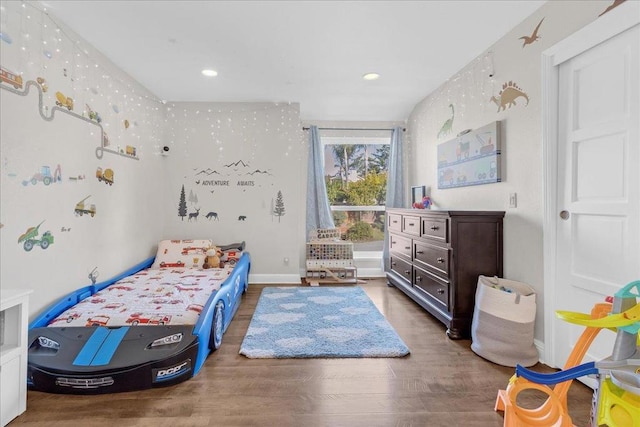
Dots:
pixel 503 322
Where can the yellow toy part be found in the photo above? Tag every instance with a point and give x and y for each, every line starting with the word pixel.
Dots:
pixel 618 407
pixel 625 318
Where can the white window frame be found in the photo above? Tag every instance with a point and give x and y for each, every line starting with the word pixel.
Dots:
pixel 356 140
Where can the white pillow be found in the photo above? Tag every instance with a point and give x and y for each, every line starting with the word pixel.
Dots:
pixel 181 253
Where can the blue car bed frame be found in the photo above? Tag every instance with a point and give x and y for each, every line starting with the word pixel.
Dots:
pixel 99 359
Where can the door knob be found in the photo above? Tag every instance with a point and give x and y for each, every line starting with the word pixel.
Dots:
pixel 565 215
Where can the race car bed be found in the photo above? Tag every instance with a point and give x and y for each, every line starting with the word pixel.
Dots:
pixel 152 326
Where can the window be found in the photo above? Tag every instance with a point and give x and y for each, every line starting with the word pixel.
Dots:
pixel 356 178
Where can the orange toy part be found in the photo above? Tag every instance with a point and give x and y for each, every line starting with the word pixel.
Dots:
pixel 553 412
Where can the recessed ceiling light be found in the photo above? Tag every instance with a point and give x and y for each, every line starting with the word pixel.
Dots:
pixel 371 76
pixel 210 73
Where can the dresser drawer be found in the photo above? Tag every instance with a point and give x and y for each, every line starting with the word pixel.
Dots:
pixel 435 228
pixel 431 285
pixel 395 222
pixel 399 244
pixel 411 225
pixel 401 267
pixel 435 257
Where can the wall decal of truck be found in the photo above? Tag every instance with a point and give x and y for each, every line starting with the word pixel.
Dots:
pixel 63 101
pixel 81 208
pixel 30 238
pixel 11 78
pixel 106 176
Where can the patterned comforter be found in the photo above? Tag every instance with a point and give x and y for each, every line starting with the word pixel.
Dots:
pixel 165 296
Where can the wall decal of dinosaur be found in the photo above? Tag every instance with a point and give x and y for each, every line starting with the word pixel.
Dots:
pixel 533 37
pixel 446 126
pixel 612 5
pixel 508 95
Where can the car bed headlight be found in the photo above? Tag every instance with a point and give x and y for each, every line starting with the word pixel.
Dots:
pixel 169 339
pixel 44 346
pixel 48 343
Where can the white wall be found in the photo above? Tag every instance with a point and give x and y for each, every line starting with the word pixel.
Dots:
pixel 235 158
pixel 126 226
pixel 470 91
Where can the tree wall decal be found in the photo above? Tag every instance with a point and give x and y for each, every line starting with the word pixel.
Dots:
pixel 182 205
pixel 279 209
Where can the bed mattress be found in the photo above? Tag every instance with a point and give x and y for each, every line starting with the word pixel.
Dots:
pixel 165 296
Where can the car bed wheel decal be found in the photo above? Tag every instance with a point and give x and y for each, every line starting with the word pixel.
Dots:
pixel 218 317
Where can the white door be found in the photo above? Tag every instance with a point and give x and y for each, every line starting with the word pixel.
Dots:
pixel 597 206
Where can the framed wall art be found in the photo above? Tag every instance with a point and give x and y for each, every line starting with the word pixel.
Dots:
pixel 472 158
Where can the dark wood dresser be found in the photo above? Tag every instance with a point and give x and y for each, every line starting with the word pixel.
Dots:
pixel 435 257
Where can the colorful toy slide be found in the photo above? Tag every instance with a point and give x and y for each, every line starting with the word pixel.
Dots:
pixel 618 393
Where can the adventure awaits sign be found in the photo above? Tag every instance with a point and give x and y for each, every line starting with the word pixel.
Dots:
pixel 236 174
pixel 227 183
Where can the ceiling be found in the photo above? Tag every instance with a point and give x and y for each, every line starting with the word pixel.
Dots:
pixel 309 52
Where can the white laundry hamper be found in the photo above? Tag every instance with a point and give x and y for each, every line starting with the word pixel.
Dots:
pixel 503 322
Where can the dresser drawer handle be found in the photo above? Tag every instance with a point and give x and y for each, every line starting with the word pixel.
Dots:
pixel 440 291
pixel 394 221
pixel 440 260
pixel 419 252
pixel 407 272
pixel 411 224
pixel 393 242
pixel 407 247
pixel 393 264
pixel 434 227
pixel 418 278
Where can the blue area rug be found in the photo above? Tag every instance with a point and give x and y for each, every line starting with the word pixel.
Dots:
pixel 291 322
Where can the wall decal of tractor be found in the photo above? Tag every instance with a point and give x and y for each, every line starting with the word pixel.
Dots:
pixel 93 115
pixel 30 238
pixel 45 176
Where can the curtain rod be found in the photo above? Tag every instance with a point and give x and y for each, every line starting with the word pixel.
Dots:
pixel 307 128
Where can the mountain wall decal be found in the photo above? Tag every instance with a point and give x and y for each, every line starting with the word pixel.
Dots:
pixel 208 171
pixel 239 162
pixel 258 171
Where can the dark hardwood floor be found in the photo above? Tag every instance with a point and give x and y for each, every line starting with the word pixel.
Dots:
pixel 441 383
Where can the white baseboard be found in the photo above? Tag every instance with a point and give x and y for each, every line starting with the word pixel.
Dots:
pixel 370 272
pixel 274 278
pixel 540 347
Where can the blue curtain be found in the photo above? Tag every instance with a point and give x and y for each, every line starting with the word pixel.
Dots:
pixel 318 211
pixel 396 188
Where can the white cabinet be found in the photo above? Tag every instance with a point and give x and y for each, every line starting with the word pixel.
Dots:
pixel 14 312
